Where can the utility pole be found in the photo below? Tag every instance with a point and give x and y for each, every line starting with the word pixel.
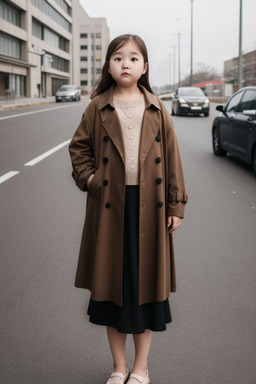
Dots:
pixel 174 59
pixel 240 59
pixel 191 46
pixel 179 57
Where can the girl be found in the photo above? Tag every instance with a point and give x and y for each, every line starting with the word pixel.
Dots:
pixel 125 155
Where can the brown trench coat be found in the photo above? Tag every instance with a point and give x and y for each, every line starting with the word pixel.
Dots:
pixel 97 147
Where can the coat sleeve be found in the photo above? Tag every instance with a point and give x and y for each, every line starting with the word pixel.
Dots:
pixel 81 153
pixel 177 197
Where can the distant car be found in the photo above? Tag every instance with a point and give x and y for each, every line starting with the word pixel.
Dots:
pixel 234 129
pixel 166 96
pixel 190 100
pixel 68 93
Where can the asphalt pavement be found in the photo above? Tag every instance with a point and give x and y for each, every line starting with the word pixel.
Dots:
pixel 45 334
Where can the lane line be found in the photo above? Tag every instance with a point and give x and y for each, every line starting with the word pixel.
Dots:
pixel 43 110
pixel 7 176
pixel 46 154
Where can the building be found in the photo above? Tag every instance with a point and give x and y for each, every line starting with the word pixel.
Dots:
pixel 90 43
pixel 249 69
pixel 41 48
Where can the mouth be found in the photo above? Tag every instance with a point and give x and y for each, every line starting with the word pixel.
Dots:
pixel 125 74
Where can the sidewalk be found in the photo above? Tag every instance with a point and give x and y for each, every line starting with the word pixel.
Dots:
pixel 29 101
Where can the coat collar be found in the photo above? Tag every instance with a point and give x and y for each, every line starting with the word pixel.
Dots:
pixel 111 123
pixel 106 98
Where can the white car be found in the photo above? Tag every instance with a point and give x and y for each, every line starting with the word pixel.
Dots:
pixel 68 93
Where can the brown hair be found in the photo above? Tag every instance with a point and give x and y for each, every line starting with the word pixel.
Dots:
pixel 106 80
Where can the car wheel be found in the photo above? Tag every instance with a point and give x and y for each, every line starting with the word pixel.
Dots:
pixel 216 146
pixel 57 101
pixel 172 112
pixel 254 161
pixel 206 114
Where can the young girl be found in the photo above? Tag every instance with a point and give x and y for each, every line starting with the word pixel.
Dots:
pixel 125 155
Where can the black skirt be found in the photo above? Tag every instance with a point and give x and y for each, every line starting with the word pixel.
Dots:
pixel 131 318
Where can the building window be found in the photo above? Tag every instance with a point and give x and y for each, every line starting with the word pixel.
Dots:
pixel 9 13
pixel 49 36
pixel 83 70
pixel 58 63
pixel 83 47
pixel 63 5
pixel 10 46
pixel 37 29
pixel 48 10
pixel 98 47
pixel 98 35
pixel 83 35
pixel 83 82
pixel 83 58
pixel 98 71
pixel 92 34
pixel 98 58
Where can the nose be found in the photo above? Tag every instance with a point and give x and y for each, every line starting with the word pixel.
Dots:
pixel 125 64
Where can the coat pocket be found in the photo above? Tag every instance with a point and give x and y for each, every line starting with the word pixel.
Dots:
pixel 95 184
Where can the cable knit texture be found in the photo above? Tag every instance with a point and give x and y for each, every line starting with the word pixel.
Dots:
pixel 130 114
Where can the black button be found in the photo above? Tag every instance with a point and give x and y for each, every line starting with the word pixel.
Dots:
pixel 107 205
pixel 159 180
pixel 158 160
pixel 158 138
pixel 105 182
pixel 160 204
pixel 105 160
pixel 106 138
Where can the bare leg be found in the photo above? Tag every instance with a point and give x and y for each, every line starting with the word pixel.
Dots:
pixel 117 342
pixel 142 344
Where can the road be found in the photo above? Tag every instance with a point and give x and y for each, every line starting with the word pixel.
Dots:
pixel 45 335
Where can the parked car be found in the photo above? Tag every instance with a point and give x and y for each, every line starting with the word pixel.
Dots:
pixel 68 93
pixel 190 100
pixel 166 96
pixel 234 129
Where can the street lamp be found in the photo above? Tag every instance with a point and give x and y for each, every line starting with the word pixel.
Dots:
pixel 177 34
pixel 240 59
pixel 191 48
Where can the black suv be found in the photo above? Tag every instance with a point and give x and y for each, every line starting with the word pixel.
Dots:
pixel 234 129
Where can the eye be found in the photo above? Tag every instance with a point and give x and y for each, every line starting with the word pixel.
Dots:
pixel 134 59
pixel 118 59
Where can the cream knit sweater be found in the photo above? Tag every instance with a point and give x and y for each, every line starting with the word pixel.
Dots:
pixel 130 114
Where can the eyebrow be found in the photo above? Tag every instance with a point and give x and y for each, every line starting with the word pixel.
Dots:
pixel 119 53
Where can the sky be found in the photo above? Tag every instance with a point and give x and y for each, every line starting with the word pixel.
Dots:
pixel 215 31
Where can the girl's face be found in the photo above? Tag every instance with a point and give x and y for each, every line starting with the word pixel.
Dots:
pixel 126 65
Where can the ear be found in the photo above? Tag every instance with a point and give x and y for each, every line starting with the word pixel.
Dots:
pixel 145 68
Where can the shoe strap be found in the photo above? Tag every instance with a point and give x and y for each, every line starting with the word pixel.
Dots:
pixel 117 374
pixel 137 377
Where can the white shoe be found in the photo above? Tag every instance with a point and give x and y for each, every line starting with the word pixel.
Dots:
pixel 137 379
pixel 118 378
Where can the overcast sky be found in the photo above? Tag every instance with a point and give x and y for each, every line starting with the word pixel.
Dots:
pixel 216 30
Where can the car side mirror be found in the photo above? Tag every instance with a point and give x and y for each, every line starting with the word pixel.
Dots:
pixel 219 108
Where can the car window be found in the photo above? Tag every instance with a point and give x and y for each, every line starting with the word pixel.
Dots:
pixel 248 101
pixel 234 103
pixel 191 91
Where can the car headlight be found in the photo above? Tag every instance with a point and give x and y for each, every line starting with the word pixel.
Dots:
pixel 183 103
pixel 207 101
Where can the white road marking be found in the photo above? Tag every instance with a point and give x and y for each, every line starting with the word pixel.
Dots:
pixel 46 154
pixel 41 110
pixel 7 176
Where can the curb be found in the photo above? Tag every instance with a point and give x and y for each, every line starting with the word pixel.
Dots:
pixel 8 107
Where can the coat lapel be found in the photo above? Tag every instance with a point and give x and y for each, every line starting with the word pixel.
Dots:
pixel 112 125
pixel 149 131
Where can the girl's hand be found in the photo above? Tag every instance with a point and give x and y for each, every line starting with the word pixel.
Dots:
pixel 89 180
pixel 173 222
